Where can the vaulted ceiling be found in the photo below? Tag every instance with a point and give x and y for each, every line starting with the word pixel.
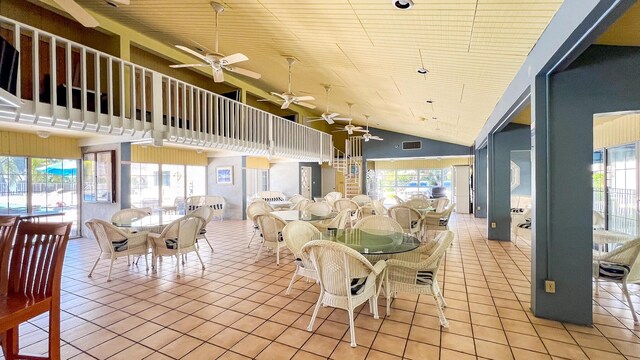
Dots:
pixel 368 51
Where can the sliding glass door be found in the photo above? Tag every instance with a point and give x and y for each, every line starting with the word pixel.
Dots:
pixel 622 189
pixel 13 185
pixel 155 185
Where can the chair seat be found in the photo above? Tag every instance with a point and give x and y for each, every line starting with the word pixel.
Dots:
pixel 120 245
pixel 203 231
pixel 424 278
pixel 525 225
pixel 517 210
pixel 16 309
pixel 357 285
pixel 613 271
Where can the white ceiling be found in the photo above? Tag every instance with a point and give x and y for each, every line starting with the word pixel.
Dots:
pixel 368 51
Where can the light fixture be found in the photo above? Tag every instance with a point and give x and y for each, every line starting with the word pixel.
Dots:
pixel 429 101
pixel 402 4
pixel 43 134
pixel 112 3
pixel 199 151
pixel 422 71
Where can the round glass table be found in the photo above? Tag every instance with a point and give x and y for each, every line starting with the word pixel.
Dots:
pixel 153 223
pixel 372 242
pixel 294 215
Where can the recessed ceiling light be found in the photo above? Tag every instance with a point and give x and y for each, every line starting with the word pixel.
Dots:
pixel 114 4
pixel 422 71
pixel 434 118
pixel 429 101
pixel 402 4
pixel 43 134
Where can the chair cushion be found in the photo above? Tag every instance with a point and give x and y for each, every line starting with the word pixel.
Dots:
pixel 424 278
pixel 171 243
pixel 216 206
pixel 357 285
pixel 203 231
pixel 444 222
pixel 120 245
pixel 415 223
pixel 613 271
pixel 525 225
pixel 517 210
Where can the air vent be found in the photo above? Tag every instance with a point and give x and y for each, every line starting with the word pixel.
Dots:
pixel 411 145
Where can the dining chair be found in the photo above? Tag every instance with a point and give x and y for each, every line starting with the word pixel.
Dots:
pixel 300 205
pixel 348 204
pixel 339 222
pixel 409 218
pixel 319 208
pixel 296 234
pixel 127 215
pixel 361 199
pixel 620 266
pixel 216 203
pixel 438 221
pixel 178 204
pixel 332 196
pixel 177 239
pixel 379 223
pixel 367 210
pixel 521 224
pixel 192 203
pixel 115 243
pixel 271 229
pixel 295 198
pixel 33 279
pixel 254 209
pixel 441 204
pixel 420 277
pixel 7 227
pixel 378 207
pixel 347 279
pixel 206 213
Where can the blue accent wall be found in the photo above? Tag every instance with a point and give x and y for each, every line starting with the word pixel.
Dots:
pixel 480 183
pixel 125 175
pixel 522 158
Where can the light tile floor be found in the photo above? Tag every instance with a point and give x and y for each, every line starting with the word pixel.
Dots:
pixel 236 309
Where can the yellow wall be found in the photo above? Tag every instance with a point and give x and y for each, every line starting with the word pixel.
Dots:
pixel 422 163
pixel 616 130
pixel 25 144
pixel 524 117
pixel 257 163
pixel 167 155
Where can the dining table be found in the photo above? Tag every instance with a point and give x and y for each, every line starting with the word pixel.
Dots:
pixel 153 223
pixel 279 204
pixel 372 242
pixel 602 238
pixel 295 215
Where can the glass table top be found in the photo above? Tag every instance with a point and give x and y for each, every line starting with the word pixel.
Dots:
pixel 372 242
pixel 149 221
pixel 294 215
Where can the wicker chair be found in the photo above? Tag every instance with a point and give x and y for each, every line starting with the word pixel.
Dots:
pixel 339 222
pixel 217 204
pixel 301 205
pixel 438 221
pixel 418 195
pixel 296 234
pixel 347 279
pixel 367 210
pixel 348 204
pixel 398 200
pixel 319 209
pixel 521 224
pixel 178 206
pixel 177 239
pixel 192 203
pixel 378 207
pixel 207 213
pixel 271 229
pixel 379 224
pixel 420 277
pixel 598 220
pixel 420 203
pixel 625 263
pixel 295 198
pixel 115 243
pixel 361 199
pixel 126 215
pixel 409 218
pixel 441 204
pixel 332 197
pixel 254 209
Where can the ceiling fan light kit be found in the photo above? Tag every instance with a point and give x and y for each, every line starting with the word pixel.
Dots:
pixel 402 4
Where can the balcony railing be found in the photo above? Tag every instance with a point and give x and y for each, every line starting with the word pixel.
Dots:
pixel 69 85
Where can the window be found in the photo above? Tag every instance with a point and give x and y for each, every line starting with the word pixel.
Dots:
pixel 154 185
pixel 98 181
pixel 196 180
pixel 404 182
pixel 13 185
pixel 144 185
pixel 257 180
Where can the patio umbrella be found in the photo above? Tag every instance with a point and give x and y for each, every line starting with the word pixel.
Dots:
pixel 62 168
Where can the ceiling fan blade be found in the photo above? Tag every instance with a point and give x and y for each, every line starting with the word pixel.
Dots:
pixel 234 58
pixel 342 119
pixel 314 119
pixel 123 2
pixel 333 115
pixel 307 105
pixel 218 76
pixel 285 105
pixel 377 138
pixel 278 95
pixel 359 130
pixel 305 98
pixel 178 66
pixel 245 72
pixel 339 130
pixel 329 120
pixel 193 52
pixel 78 13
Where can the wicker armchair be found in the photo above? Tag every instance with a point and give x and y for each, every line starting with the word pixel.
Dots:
pixel 378 207
pixel 206 213
pixel 254 209
pixel 409 218
pixel 367 210
pixel 126 215
pixel 217 204
pixel 295 198
pixel 420 203
pixel 332 197
pixel 177 208
pixel 338 222
pixel 441 204
pixel 598 220
pixel 177 239
pixel 301 205
pixel 192 203
pixel 347 279
pixel 319 209
pixel 621 266
pixel 296 234
pixel 418 195
pixel 348 204
pixel 378 224
pixel 438 221
pixel 271 229
pixel 521 225
pixel 361 199
pixel 398 200
pixel 115 243
pixel 420 277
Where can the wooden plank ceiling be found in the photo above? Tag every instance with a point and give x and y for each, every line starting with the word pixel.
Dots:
pixel 368 51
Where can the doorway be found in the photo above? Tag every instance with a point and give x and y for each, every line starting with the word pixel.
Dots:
pixel 328 180
pixel 305 181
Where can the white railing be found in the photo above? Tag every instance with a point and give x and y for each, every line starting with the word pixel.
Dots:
pixel 69 85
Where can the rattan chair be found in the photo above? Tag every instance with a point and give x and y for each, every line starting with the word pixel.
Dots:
pixel 339 222
pixel 332 197
pixel 254 209
pixel 361 199
pixel 296 234
pixel 192 203
pixel 348 204
pixel 115 243
pixel 620 266
pixel 379 224
pixel 441 204
pixel 177 239
pixel 127 215
pixel 301 205
pixel 178 206
pixel 271 229
pixel 438 221
pixel 217 204
pixel 207 213
pixel 378 207
pixel 319 208
pixel 347 279
pixel 410 219
pixel 295 198
pixel 420 277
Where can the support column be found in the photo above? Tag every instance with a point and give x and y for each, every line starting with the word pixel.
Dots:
pixel 480 183
pixel 125 175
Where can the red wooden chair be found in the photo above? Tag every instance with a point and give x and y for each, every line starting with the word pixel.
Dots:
pixel 7 226
pixel 35 271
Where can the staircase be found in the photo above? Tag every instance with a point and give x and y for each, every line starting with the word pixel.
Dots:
pixel 349 163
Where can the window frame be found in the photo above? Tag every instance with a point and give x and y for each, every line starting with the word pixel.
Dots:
pixel 90 190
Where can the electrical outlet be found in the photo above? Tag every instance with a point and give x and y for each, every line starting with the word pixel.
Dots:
pixel 494 225
pixel 478 207
pixel 550 286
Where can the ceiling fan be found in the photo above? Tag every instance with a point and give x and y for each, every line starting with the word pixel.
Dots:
pixel 328 116
pixel 367 135
pixel 217 61
pixel 289 97
pixel 80 14
pixel 349 128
